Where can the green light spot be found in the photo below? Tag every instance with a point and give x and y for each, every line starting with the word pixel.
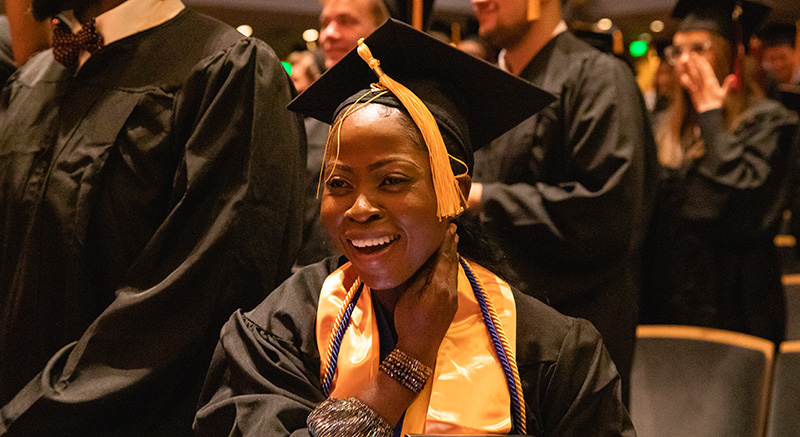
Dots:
pixel 288 67
pixel 638 48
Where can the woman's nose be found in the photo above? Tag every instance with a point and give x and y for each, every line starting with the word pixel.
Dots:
pixel 362 210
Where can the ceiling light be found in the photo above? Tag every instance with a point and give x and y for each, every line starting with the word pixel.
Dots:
pixel 604 24
pixel 657 26
pixel 310 35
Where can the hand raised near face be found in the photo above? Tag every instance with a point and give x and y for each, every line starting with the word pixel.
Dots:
pixel 424 312
pixel 698 78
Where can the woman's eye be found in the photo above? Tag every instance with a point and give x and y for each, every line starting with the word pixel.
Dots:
pixel 394 180
pixel 336 183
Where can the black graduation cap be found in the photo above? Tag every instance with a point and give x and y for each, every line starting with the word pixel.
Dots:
pixel 735 20
pixel 778 34
pixel 458 102
pixel 481 101
pixel 603 41
pixel 403 10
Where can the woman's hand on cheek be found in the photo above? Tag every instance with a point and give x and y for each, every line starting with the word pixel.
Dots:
pixel 698 78
pixel 424 312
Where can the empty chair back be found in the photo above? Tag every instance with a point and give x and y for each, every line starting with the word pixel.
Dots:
pixel 693 381
pixel 784 415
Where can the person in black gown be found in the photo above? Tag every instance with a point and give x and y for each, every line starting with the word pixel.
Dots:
pixel 398 337
pixel 147 190
pixel 569 192
pixel 724 151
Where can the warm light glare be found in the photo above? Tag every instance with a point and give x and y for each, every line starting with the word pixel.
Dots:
pixel 657 26
pixel 604 24
pixel 245 30
pixel 310 35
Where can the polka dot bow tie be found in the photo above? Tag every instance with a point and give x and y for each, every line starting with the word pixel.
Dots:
pixel 67 46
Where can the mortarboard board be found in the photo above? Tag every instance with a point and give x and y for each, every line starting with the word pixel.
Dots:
pixel 470 100
pixel 734 20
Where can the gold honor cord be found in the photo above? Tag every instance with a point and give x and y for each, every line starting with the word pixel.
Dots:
pixel 449 199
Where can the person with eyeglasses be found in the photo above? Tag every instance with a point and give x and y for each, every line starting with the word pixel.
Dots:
pixel 724 152
pixel 673 52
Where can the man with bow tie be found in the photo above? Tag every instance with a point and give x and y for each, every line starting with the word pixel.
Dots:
pixel 150 183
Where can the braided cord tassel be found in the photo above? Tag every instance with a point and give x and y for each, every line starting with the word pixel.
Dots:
pixel 337 334
pixel 503 348
pixel 449 199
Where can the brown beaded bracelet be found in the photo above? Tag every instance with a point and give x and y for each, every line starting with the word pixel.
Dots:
pixel 406 370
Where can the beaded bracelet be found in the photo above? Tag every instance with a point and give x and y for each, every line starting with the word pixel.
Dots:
pixel 346 418
pixel 406 370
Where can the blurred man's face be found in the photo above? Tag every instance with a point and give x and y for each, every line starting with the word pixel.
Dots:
pixel 342 24
pixel 780 62
pixel 503 23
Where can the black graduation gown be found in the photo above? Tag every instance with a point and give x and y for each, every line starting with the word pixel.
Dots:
pixel 711 260
pixel 142 200
pixel 264 377
pixel 569 192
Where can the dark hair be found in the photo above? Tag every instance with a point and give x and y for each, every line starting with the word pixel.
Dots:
pixel 476 244
pixel 778 34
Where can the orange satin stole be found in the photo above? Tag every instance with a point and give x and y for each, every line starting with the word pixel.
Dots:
pixel 467 393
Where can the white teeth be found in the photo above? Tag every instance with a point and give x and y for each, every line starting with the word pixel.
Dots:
pixel 371 242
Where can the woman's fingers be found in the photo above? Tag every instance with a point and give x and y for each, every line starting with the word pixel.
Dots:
pixel 731 81
pixel 701 82
pixel 445 270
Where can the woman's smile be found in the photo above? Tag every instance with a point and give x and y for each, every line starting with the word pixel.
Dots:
pixel 372 245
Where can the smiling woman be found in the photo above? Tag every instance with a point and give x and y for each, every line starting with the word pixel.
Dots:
pixel 403 335
pixel 379 204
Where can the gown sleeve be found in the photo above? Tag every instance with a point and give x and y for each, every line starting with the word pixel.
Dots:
pixel 583 396
pixel 586 197
pixel 571 385
pixel 264 377
pixel 234 214
pixel 740 170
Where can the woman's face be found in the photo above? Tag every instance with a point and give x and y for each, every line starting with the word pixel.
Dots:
pixel 700 43
pixel 378 204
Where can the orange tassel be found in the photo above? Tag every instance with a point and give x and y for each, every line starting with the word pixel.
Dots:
pixel 534 10
pixel 449 198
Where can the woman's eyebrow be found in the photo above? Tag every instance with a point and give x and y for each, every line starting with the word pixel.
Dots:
pixel 337 165
pixel 374 166
pixel 378 164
